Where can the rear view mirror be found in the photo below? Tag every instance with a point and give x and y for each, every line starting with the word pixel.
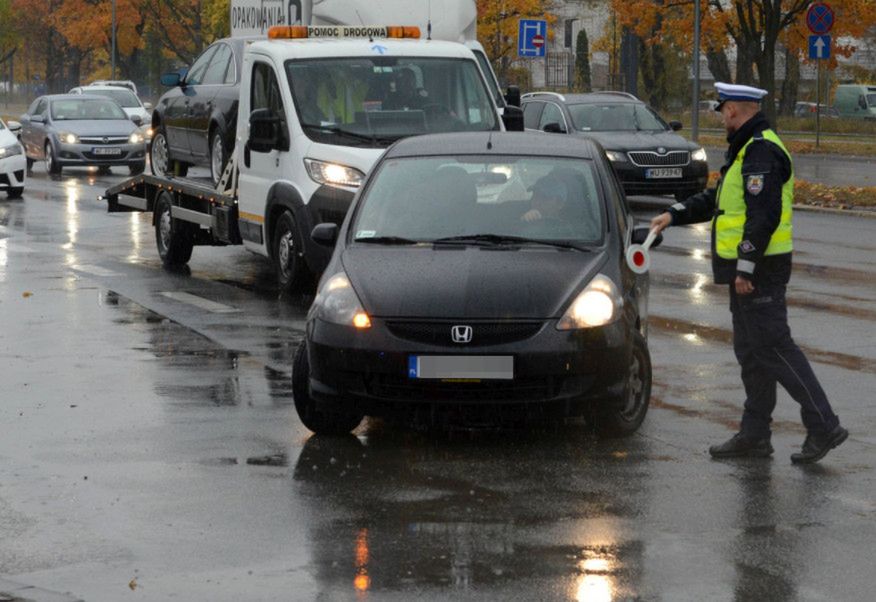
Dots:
pixel 172 79
pixel 147 106
pixel 137 119
pixel 325 235
pixel 640 234
pixel 14 126
pixel 512 97
pixel 675 125
pixel 38 118
pixel 512 117
pixel 554 128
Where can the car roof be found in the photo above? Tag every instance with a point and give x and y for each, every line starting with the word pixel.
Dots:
pixel 589 98
pixel 502 143
pixel 75 97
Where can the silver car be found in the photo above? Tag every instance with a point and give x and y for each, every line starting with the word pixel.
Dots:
pixel 67 130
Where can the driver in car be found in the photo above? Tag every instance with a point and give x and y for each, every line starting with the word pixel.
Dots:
pixel 549 197
pixel 406 94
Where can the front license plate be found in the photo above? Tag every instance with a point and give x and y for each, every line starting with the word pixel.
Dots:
pixel 107 151
pixel 663 172
pixel 487 367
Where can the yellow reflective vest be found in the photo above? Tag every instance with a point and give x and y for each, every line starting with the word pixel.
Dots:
pixel 729 222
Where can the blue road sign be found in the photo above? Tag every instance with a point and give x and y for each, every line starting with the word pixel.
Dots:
pixel 819 18
pixel 531 38
pixel 819 47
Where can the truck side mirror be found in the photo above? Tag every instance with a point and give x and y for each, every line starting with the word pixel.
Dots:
pixel 325 235
pixel 171 80
pixel 512 97
pixel 512 117
pixel 264 131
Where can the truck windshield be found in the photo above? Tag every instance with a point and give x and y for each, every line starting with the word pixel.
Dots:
pixel 373 101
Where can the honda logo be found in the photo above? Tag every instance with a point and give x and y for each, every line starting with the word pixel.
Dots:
pixel 461 334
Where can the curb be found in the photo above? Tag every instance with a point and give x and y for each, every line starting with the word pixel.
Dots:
pixel 20 592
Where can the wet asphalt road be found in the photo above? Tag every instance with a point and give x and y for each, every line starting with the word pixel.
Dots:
pixel 149 448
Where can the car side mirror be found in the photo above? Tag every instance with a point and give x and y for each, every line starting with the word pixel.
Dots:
pixel 512 96
pixel 554 128
pixel 147 106
pixel 640 234
pixel 38 119
pixel 325 235
pixel 172 79
pixel 264 131
pixel 862 102
pixel 675 125
pixel 137 119
pixel 512 117
pixel 13 126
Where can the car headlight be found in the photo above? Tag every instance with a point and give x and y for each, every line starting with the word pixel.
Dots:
pixel 699 155
pixel 614 156
pixel 136 138
pixel 333 174
pixel 68 138
pixel 8 151
pixel 597 305
pixel 337 303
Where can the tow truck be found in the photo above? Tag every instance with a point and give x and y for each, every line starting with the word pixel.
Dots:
pixel 318 105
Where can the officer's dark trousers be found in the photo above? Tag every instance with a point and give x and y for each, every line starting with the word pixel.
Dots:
pixel 768 355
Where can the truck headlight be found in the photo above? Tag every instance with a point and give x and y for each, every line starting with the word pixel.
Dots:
pixel 597 305
pixel 699 155
pixel 68 138
pixel 8 151
pixel 337 303
pixel 333 174
pixel 615 156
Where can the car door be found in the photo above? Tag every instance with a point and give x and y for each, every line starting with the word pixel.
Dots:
pixel 33 133
pixel 531 113
pixel 177 117
pixel 202 102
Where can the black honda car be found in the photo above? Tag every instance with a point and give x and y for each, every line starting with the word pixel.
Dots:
pixel 647 153
pixel 479 276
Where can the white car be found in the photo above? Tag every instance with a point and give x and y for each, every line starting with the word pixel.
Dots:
pixel 129 102
pixel 12 162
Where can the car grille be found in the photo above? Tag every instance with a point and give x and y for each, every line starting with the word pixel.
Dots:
pixel 394 388
pixel 104 139
pixel 483 333
pixel 653 159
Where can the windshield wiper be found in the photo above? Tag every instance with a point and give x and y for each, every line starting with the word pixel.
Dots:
pixel 386 240
pixel 504 239
pixel 350 134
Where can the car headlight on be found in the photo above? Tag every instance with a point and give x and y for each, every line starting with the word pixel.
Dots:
pixel 68 138
pixel 699 155
pixel 597 305
pixel 615 156
pixel 9 151
pixel 136 138
pixel 337 303
pixel 333 174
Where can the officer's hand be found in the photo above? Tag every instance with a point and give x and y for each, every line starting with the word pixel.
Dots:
pixel 661 222
pixel 744 286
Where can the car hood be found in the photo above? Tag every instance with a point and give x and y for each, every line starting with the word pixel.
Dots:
pixel 467 282
pixel 96 127
pixel 627 141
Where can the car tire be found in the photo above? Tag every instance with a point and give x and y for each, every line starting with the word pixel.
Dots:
pixel 311 412
pixel 137 168
pixel 159 157
pixel 15 193
pixel 624 418
pixel 52 165
pixel 218 156
pixel 287 252
pixel 174 238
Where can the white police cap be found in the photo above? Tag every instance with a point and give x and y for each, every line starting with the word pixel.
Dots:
pixel 737 92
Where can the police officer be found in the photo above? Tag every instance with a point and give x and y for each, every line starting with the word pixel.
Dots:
pixel 751 252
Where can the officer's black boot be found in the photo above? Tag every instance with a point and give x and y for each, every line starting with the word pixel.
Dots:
pixel 741 445
pixel 816 446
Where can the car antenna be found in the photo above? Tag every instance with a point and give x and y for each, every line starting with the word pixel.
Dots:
pixel 490 141
pixel 429 21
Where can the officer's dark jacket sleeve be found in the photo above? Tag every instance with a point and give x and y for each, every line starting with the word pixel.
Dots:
pixel 697 208
pixel 764 170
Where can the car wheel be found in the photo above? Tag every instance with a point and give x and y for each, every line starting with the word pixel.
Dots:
pixel 624 418
pixel 160 160
pixel 218 157
pixel 52 165
pixel 311 412
pixel 15 193
pixel 175 239
pixel 137 168
pixel 287 253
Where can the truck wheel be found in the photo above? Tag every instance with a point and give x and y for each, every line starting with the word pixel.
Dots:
pixel 14 193
pixel 287 250
pixel 174 238
pixel 624 418
pixel 52 165
pixel 218 156
pixel 311 412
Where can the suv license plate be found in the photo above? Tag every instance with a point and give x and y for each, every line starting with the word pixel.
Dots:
pixel 107 151
pixel 492 367
pixel 663 172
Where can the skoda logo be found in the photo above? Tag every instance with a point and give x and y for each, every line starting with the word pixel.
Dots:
pixel 661 150
pixel 461 334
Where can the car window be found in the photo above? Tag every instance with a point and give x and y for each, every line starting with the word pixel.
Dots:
pixel 196 74
pixel 123 96
pixel 613 117
pixel 215 73
pixel 551 114
pixel 86 109
pixel 231 73
pixel 531 113
pixel 265 91
pixel 36 108
pixel 424 198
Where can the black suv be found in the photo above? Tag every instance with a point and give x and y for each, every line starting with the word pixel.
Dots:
pixel 647 154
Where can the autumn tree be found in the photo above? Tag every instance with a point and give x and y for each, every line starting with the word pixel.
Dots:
pixel 497 27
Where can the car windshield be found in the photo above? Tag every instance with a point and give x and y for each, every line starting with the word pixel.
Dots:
pixel 122 96
pixel 485 198
pixel 71 109
pixel 615 118
pixel 373 101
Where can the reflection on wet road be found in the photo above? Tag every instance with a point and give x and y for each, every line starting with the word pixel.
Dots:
pixel 148 436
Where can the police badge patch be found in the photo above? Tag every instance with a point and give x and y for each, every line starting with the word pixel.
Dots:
pixel 754 183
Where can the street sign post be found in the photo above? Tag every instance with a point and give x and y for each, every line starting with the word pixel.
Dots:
pixel 531 38
pixel 819 20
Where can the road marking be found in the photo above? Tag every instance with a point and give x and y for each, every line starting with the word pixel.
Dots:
pixel 211 306
pixel 96 270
